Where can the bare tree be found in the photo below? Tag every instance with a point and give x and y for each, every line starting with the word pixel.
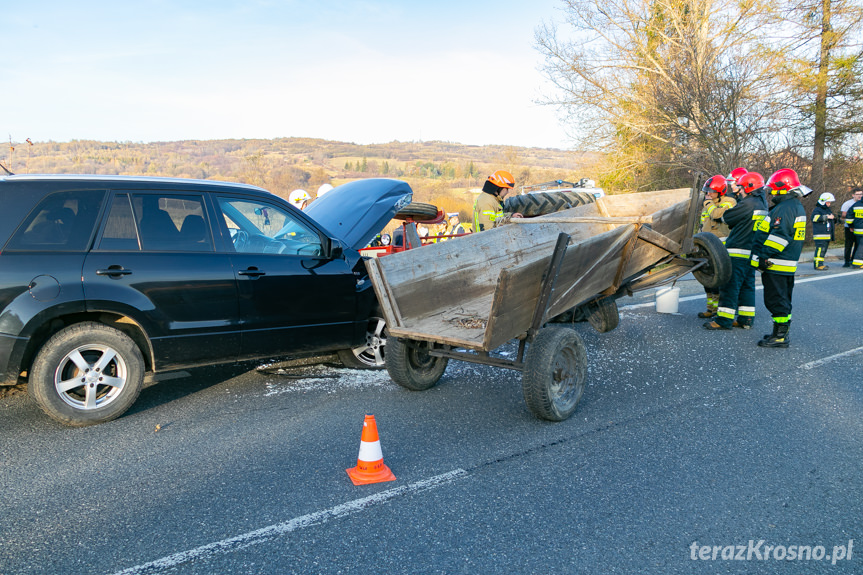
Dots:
pixel 821 49
pixel 667 87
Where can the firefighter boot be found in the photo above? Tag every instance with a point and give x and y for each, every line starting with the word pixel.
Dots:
pixel 779 337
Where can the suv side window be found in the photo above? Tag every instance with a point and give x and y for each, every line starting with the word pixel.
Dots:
pixel 264 228
pixel 120 233
pixel 172 223
pixel 62 221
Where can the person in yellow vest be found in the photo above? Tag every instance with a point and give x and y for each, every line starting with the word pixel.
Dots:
pixel 715 204
pixel 488 207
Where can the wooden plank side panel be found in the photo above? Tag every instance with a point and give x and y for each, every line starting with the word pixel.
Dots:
pixel 515 299
pixel 644 203
pixel 388 304
pixel 587 268
pixel 431 279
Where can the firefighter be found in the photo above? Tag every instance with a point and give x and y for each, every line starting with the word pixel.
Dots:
pixel 715 204
pixel 299 199
pixel 488 207
pixel 822 228
pixel 733 182
pixel 854 218
pixel 738 295
pixel 776 250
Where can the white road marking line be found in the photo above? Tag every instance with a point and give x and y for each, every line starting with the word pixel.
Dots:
pixel 266 533
pixel 702 296
pixel 824 360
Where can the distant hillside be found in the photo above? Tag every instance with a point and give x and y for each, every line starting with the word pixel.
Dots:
pixel 439 172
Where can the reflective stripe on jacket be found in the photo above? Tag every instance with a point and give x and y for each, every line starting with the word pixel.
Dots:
pixel 742 221
pixel 822 226
pixel 780 237
pixel 486 211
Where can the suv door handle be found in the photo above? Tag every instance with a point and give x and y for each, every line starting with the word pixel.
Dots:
pixel 252 272
pixel 114 271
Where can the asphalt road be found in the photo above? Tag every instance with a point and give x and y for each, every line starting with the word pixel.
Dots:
pixel 687 443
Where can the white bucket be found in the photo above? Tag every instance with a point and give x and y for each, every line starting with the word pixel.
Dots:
pixel 667 299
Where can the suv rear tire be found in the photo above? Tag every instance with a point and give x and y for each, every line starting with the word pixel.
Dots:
pixel 87 373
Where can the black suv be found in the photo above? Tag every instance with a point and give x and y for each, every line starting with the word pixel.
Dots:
pixel 105 278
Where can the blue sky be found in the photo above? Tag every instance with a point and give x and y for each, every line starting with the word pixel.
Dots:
pixel 369 71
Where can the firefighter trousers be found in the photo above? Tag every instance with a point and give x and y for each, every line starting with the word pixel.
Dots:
pixel 737 296
pixel 777 295
pixel 820 252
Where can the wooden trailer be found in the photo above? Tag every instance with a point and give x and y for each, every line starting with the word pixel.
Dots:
pixel 464 298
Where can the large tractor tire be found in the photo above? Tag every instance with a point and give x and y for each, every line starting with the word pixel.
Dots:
pixel 541 203
pixel 418 212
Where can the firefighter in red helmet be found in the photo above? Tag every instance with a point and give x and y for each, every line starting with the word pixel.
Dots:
pixel 776 249
pixel 715 203
pixel 737 296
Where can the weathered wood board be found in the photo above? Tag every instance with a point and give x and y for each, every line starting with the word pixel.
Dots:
pixel 479 291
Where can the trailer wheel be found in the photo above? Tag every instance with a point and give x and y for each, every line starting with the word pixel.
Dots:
pixel 417 211
pixel 541 203
pixel 603 314
pixel 410 365
pixel 555 371
pixel 717 272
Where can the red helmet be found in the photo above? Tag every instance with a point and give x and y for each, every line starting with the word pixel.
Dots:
pixel 715 184
pixel 750 181
pixel 783 181
pixel 734 176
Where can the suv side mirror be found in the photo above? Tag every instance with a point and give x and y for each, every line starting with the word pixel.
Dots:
pixel 335 249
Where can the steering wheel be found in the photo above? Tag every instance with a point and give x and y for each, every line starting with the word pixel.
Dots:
pixel 241 240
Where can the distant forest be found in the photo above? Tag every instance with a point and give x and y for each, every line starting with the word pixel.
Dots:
pixel 441 173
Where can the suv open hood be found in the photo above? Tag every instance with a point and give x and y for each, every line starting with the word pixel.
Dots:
pixel 357 211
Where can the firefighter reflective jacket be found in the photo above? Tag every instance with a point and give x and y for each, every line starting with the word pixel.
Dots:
pixel 854 218
pixel 711 215
pixel 486 211
pixel 780 236
pixel 742 221
pixel 822 226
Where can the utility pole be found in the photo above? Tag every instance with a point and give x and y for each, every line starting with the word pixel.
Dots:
pixel 11 154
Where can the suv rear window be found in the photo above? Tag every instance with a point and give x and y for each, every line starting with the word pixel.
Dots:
pixel 62 221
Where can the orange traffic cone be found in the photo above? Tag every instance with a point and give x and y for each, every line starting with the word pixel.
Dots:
pixel 370 462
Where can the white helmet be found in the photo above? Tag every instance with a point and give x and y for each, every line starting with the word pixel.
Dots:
pixel 297 197
pixel 826 197
pixel 324 189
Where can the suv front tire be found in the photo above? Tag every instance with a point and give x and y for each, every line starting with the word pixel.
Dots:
pixel 87 373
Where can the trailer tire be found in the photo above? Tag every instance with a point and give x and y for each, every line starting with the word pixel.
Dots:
pixel 717 272
pixel 410 365
pixel 541 203
pixel 555 372
pixel 603 314
pixel 417 211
